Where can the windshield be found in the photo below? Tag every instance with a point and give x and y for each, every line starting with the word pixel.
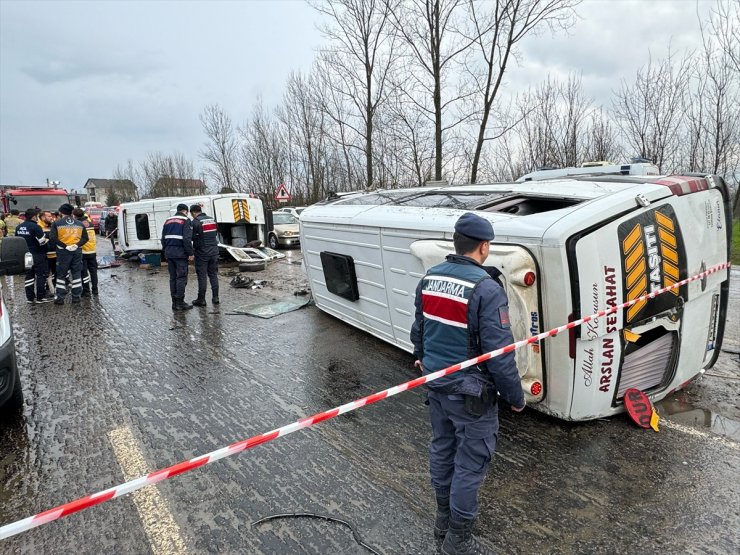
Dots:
pixel 44 202
pixel 283 219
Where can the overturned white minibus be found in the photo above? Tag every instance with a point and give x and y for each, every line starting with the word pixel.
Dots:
pixel 240 219
pixel 566 248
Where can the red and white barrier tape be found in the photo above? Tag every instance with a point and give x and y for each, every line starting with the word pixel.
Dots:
pixel 157 476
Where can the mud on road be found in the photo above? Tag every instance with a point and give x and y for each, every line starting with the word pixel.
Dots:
pixel 122 385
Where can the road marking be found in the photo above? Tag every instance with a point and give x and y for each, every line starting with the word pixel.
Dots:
pixel 159 524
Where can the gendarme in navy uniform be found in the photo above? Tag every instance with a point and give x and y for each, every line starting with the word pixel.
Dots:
pixel 205 246
pixel 177 242
pixel 461 313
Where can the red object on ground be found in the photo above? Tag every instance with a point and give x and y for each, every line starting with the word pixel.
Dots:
pixel 638 406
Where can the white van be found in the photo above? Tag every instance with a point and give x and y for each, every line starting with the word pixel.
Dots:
pixel 566 249
pixel 593 168
pixel 240 219
pixel 14 259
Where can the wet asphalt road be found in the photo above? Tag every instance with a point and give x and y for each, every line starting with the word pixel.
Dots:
pixel 120 386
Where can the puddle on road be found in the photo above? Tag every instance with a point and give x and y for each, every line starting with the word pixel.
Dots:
pixel 682 412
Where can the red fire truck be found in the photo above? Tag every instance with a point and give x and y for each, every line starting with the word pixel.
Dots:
pixel 24 198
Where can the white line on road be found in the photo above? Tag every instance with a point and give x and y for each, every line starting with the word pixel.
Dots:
pixel 664 422
pixel 159 524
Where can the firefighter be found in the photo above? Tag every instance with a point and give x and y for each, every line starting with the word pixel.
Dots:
pixel 68 235
pixel 11 222
pixel 89 256
pixel 205 247
pixel 31 231
pixel 46 218
pixel 177 240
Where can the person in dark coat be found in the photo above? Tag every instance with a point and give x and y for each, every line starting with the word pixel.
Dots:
pixel 31 231
pixel 68 235
pixel 177 241
pixel 461 312
pixel 205 247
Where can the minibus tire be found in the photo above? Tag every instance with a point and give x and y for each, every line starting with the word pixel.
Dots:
pixel 255 266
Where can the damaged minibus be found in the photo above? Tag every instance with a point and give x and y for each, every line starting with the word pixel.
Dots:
pixel 566 248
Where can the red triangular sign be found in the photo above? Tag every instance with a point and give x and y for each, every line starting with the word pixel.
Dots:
pixel 282 193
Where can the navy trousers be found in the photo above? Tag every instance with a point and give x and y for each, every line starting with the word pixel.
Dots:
pixel 206 267
pixel 460 452
pixel 69 262
pixel 178 269
pixel 36 276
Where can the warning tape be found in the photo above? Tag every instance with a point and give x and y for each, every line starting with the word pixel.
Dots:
pixel 159 475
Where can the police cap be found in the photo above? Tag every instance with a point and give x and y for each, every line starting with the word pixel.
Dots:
pixel 475 227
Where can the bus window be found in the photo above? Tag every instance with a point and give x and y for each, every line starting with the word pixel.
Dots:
pixel 142 226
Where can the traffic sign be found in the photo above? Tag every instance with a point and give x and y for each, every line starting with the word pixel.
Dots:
pixel 282 193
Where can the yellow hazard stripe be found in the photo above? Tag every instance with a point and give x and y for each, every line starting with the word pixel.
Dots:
pixel 669 254
pixel 667 282
pixel 666 237
pixel 633 276
pixel 636 308
pixel 236 209
pixel 635 257
pixel 670 270
pixel 632 238
pixel 664 221
pixel 640 286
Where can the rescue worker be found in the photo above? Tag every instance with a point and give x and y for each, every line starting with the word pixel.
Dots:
pixel 31 231
pixel 46 218
pixel 89 256
pixel 461 313
pixel 3 229
pixel 177 240
pixel 68 235
pixel 11 222
pixel 205 248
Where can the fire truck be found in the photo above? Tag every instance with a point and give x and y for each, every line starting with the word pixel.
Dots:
pixel 23 198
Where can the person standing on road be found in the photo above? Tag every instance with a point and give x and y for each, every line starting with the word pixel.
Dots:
pixel 177 240
pixel 46 218
pixel 31 231
pixel 3 229
pixel 89 256
pixel 11 222
pixel 461 313
pixel 205 247
pixel 111 227
pixel 68 235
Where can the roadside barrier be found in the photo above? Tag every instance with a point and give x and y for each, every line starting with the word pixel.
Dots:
pixel 159 475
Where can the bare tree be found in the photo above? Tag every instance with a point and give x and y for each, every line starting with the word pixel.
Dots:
pixel 125 173
pixel 724 24
pixel 220 148
pixel 161 174
pixel 496 28
pixel 361 53
pixel 649 112
pixel 430 32
pixel 601 142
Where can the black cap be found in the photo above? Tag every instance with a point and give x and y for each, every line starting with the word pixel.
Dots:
pixel 196 208
pixel 66 209
pixel 475 227
pixel 181 207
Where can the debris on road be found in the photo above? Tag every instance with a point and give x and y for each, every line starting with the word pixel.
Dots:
pixel 270 310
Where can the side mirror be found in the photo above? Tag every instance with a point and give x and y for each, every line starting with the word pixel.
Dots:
pixel 13 252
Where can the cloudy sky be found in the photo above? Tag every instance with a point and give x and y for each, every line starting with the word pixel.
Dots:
pixel 87 85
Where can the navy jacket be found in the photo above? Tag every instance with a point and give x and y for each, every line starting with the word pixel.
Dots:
pixel 34 236
pixel 461 313
pixel 205 236
pixel 177 237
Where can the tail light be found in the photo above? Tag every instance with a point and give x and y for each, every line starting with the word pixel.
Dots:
pixel 536 388
pixel 529 278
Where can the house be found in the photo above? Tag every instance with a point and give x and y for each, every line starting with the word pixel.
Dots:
pixel 176 187
pixel 100 190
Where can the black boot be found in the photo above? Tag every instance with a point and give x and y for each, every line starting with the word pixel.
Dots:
pixel 215 300
pixel 441 523
pixel 180 304
pixel 461 541
pixel 200 301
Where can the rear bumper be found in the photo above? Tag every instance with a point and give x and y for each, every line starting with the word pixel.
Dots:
pixel 8 370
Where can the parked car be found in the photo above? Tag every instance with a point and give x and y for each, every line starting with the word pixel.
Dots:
pixel 286 231
pixel 294 210
pixel 96 215
pixel 14 259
